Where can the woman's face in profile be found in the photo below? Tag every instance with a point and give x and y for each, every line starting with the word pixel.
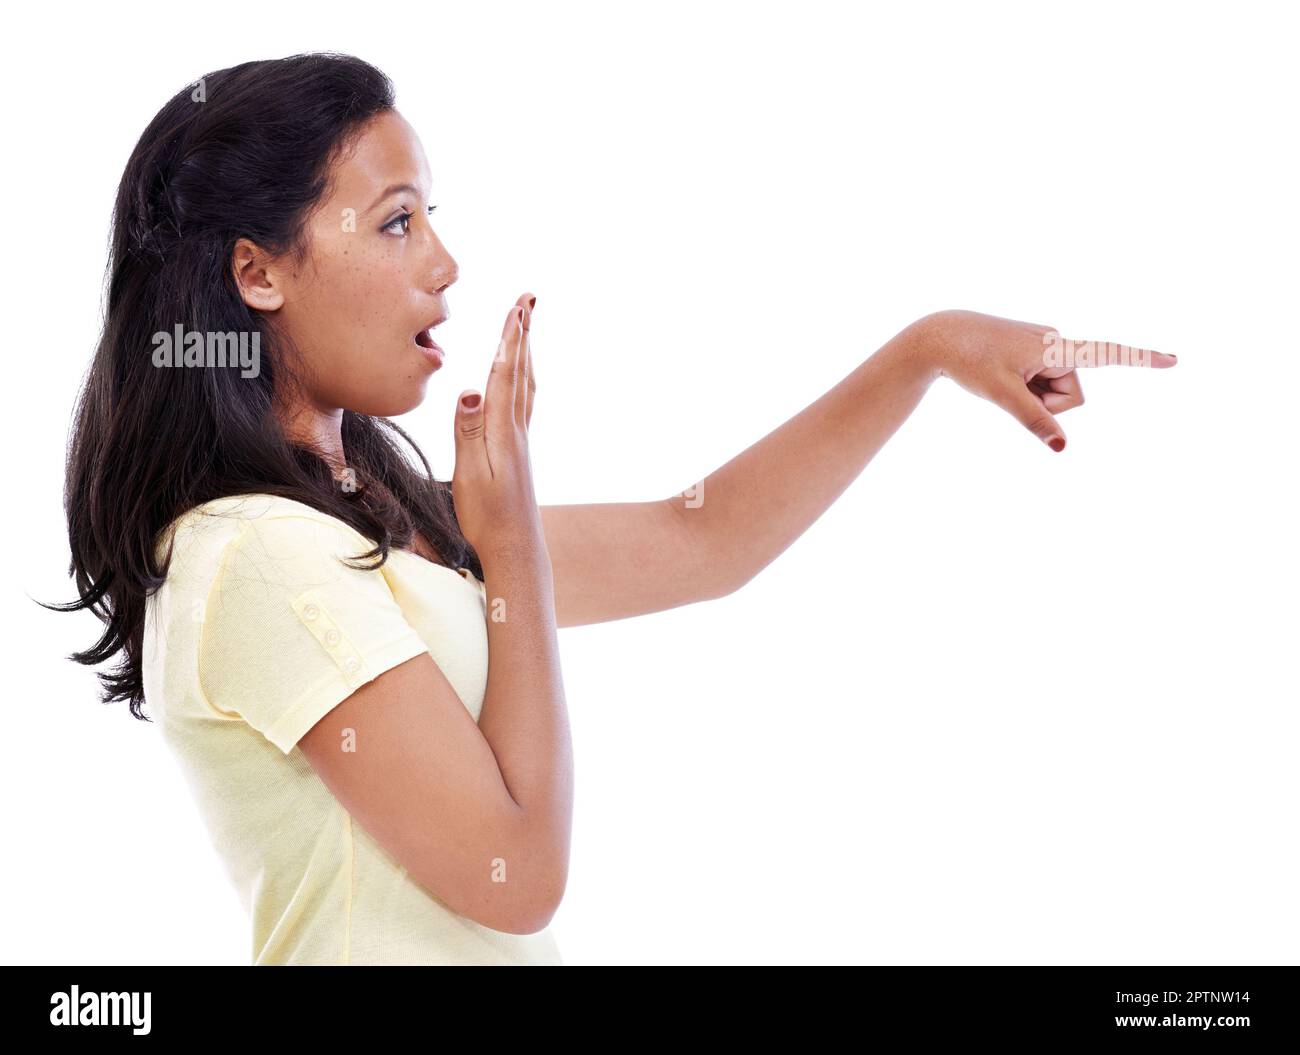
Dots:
pixel 373 279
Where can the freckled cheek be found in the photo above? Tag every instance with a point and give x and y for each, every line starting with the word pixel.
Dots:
pixel 355 293
pixel 386 295
pixel 361 296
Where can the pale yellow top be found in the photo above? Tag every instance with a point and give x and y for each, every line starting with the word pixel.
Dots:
pixel 258 632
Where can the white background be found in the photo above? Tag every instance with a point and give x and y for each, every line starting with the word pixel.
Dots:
pixel 998 705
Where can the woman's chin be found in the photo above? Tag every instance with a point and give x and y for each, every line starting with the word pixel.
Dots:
pixel 391 404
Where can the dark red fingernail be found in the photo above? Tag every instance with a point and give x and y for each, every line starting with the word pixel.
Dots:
pixel 532 303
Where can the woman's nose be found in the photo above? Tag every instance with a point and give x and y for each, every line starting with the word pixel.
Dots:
pixel 447 274
pixel 445 270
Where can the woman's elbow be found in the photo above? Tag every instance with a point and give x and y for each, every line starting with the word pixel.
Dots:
pixel 536 912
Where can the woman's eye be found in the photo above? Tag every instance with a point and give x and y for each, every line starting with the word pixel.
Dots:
pixel 404 220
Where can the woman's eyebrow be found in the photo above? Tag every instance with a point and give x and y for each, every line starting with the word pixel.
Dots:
pixel 393 190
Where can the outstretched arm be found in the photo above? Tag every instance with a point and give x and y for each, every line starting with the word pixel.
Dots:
pixel 622 559
pixel 743 515
pixel 615 560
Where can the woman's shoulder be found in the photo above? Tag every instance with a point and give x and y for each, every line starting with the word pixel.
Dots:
pixel 217 525
pixel 257 507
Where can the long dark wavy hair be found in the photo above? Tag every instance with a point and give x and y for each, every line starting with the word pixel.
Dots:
pixel 242 153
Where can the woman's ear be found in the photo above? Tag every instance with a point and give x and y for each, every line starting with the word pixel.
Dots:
pixel 257 279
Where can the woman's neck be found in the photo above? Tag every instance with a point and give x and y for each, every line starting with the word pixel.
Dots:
pixel 322 430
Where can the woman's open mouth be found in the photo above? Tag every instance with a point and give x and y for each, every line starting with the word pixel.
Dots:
pixel 425 342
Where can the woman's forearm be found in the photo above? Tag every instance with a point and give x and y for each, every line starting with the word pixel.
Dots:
pixel 524 715
pixel 744 514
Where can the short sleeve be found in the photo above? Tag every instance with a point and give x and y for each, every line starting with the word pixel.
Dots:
pixel 290 631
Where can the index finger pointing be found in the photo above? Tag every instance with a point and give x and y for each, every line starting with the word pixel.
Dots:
pixel 1062 353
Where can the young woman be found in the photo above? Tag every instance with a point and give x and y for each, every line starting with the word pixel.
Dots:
pixel 356 663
